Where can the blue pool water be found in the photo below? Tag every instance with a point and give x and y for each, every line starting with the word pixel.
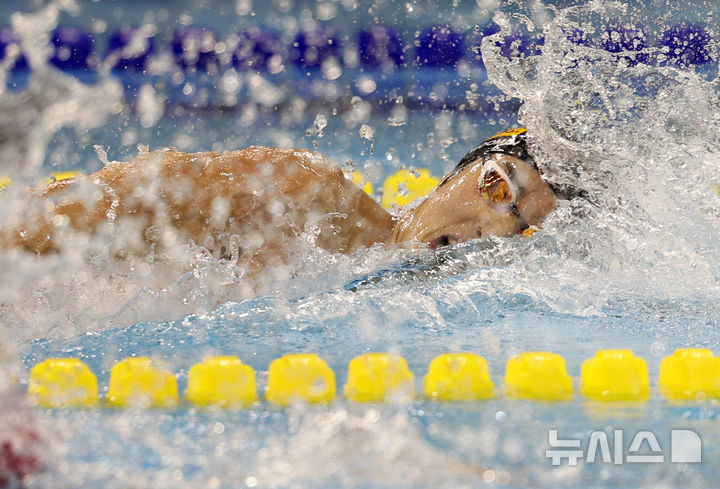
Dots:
pixel 632 266
pixel 417 445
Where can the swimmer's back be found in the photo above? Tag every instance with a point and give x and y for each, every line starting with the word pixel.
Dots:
pixel 267 194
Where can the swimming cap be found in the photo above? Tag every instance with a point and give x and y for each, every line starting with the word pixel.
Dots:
pixel 512 142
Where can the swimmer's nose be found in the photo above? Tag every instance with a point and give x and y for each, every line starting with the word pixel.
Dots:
pixel 523 225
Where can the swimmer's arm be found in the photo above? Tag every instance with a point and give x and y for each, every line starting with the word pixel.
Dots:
pixel 34 226
pixel 86 203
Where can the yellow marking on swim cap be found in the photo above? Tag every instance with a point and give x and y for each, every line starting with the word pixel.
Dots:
pixel 403 187
pixel 376 377
pixel 690 374
pixel 458 377
pixel 61 383
pixel 510 132
pixel 222 381
pixel 301 377
pixel 538 375
pixel 5 181
pixel 358 179
pixel 615 375
pixel 142 382
pixel 62 175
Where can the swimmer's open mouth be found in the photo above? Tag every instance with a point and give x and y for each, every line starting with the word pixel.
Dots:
pixel 440 241
pixel 449 240
pixel 446 240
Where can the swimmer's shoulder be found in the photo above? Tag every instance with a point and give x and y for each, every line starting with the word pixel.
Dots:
pixel 281 159
pixel 287 169
pixel 252 158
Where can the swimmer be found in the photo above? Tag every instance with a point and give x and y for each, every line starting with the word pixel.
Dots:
pixel 495 189
pixel 247 205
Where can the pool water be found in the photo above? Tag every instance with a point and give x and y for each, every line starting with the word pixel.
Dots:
pixel 633 265
pixel 420 444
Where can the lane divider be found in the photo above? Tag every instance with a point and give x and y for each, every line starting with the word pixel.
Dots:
pixel 222 381
pixel 689 374
pixel 615 375
pixel 538 375
pixel 404 186
pixel 377 377
pixel 300 377
pixel 63 382
pixel 361 181
pixel 142 382
pixel 59 176
pixel 458 377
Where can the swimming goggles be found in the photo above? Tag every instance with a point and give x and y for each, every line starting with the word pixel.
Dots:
pixel 497 187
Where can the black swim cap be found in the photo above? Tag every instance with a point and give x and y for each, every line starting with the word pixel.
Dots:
pixel 512 142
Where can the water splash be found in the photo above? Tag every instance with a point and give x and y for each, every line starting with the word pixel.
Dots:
pixel 632 258
pixel 367 132
pixel 51 101
pixel 639 139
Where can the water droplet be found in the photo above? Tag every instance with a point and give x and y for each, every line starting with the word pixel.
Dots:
pixel 320 124
pixel 101 153
pixel 367 132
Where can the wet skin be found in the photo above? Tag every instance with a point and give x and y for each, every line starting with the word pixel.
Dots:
pixel 249 204
pixel 458 211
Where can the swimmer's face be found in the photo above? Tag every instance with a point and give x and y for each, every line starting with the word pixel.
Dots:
pixel 498 195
